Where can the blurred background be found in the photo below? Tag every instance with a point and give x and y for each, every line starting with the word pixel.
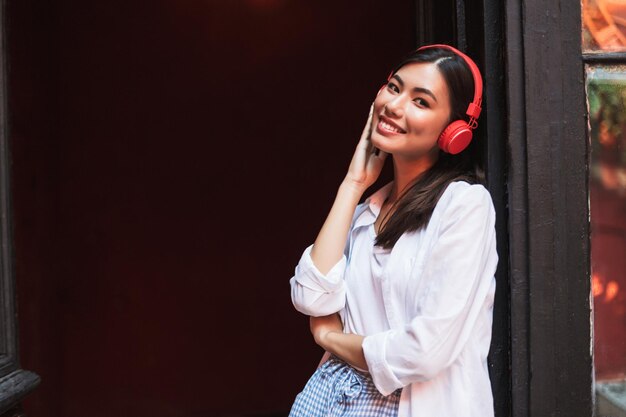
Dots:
pixel 170 162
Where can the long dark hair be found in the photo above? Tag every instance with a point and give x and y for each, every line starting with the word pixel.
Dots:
pixel 414 207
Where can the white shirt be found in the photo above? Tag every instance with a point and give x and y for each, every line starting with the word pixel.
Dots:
pixel 425 307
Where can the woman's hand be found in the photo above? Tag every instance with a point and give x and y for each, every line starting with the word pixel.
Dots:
pixel 321 326
pixel 367 161
pixel 328 333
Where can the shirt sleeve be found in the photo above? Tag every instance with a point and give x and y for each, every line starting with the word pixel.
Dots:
pixel 314 293
pixel 459 283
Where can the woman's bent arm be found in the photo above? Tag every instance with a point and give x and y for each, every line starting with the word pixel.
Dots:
pixel 363 171
pixel 328 333
pixel 331 240
pixel 317 288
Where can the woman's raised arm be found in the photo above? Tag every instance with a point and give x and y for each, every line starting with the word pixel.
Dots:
pixel 317 288
pixel 364 169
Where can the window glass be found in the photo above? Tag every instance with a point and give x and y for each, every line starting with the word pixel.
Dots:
pixel 604 25
pixel 606 94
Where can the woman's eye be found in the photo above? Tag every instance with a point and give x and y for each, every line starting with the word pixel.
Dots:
pixel 393 87
pixel 421 102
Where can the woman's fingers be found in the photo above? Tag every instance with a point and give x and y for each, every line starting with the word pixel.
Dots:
pixel 364 140
pixel 367 130
pixel 367 161
pixel 365 144
pixel 376 161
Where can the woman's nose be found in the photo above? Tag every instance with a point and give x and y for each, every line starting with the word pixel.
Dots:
pixel 395 107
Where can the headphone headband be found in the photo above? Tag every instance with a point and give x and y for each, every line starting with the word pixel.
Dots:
pixel 474 108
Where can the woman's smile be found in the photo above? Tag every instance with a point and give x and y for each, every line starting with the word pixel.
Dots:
pixel 387 127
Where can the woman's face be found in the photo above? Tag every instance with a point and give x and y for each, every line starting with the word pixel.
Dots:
pixel 411 111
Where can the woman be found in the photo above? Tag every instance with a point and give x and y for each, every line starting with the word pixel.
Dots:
pixel 400 288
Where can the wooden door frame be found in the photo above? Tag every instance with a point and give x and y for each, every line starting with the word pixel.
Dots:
pixel 15 382
pixel 551 360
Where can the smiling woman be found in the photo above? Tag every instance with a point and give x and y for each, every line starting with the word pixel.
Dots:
pixel 400 288
pixel 408 117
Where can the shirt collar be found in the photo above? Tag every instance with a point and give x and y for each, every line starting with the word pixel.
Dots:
pixel 373 205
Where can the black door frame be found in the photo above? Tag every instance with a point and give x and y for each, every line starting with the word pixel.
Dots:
pixel 549 213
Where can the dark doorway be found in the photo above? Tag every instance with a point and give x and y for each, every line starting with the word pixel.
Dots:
pixel 170 163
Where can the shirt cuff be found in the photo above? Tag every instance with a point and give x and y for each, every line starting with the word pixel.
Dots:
pixel 310 277
pixel 374 347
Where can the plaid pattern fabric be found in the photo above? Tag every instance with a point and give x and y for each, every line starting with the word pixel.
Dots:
pixel 337 389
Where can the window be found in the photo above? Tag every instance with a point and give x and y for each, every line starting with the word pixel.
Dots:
pixel 604 44
pixel 606 92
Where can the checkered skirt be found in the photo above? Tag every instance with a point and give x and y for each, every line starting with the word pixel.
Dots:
pixel 337 389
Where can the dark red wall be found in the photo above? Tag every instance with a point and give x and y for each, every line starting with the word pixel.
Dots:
pixel 171 160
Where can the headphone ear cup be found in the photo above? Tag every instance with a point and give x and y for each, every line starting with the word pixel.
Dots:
pixel 455 137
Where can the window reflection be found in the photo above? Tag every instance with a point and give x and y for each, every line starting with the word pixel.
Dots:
pixel 606 93
pixel 604 25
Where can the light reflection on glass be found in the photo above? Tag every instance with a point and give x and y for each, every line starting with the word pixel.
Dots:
pixel 604 25
pixel 606 94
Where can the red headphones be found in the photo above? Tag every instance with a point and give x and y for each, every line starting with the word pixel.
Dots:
pixel 458 134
